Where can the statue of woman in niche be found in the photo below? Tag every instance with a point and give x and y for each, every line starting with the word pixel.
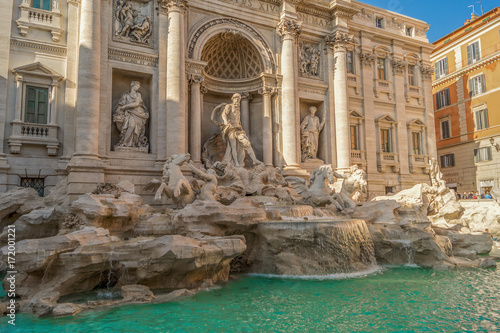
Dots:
pixel 309 132
pixel 130 116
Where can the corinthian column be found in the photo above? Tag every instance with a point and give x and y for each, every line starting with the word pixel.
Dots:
pixel 195 140
pixel 339 41
pixel 89 77
pixel 267 126
pixel 289 29
pixel 176 76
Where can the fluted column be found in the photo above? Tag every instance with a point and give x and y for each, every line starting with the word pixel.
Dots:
pixel 89 77
pixel 245 112
pixel 329 138
pixel 339 41
pixel 289 30
pixel 267 126
pixel 176 76
pixel 195 139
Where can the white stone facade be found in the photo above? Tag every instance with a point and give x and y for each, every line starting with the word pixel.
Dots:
pixel 189 56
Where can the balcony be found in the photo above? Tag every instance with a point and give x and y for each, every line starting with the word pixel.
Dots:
pixel 388 162
pixel 354 81
pixel 419 163
pixel 383 86
pixel 358 157
pixel 40 19
pixel 413 92
pixel 34 134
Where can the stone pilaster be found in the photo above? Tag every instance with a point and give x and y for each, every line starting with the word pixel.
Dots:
pixel 176 77
pixel 195 81
pixel 339 40
pixel 289 29
pixel 245 112
pixel 429 109
pixel 267 125
pixel 329 139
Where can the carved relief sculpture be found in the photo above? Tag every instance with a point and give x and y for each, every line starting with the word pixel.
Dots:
pixel 309 60
pixel 132 22
pixel 309 132
pixel 227 117
pixel 130 116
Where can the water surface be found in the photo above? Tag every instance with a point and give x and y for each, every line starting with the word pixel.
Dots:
pixel 391 300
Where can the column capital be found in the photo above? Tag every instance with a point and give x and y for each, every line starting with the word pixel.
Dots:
pixel 398 66
pixel 74 2
pixel 367 59
pixel 427 72
pixel 174 5
pixel 339 40
pixel 246 95
pixel 267 90
pixel 195 78
pixel 289 28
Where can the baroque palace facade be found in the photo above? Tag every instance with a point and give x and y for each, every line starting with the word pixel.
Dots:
pixel 106 90
pixel 466 90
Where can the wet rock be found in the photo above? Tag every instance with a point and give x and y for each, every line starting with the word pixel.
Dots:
pixel 136 294
pixel 43 303
pixel 66 309
pixel 174 295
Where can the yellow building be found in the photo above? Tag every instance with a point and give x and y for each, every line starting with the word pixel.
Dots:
pixel 466 90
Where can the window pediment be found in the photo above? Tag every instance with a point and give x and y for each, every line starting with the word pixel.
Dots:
pixel 37 70
pixel 386 119
pixel 416 123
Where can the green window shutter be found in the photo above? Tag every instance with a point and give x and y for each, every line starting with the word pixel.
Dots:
pixel 436 70
pixel 489 153
pixel 469 54
pixel 477 55
pixel 471 88
pixel 445 65
pixel 483 83
pixel 486 120
pixel 43 99
pixel 30 111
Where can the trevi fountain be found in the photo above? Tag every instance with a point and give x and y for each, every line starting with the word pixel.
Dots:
pixel 240 247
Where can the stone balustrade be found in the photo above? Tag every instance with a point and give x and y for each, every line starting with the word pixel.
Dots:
pixel 40 19
pixel 34 134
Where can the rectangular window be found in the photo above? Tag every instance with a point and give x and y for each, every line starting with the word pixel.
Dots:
pixel 36 183
pixel 441 68
pixel 473 53
pixel 481 119
pixel 445 129
pixel 37 100
pixel 443 98
pixel 416 142
pixel 385 140
pixel 42 4
pixel 412 78
pixel 381 69
pixel 379 22
pixel 354 137
pixel 390 189
pixel 482 154
pixel 447 160
pixel 350 62
pixel 477 85
pixel 409 31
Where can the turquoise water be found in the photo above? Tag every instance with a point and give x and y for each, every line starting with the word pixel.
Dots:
pixel 392 300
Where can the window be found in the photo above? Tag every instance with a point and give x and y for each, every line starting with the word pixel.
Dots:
pixel 473 53
pixel 379 21
pixel 41 4
pixel 441 68
pixel 350 62
pixel 37 100
pixel 390 189
pixel 481 119
pixel 35 183
pixel 409 31
pixel 416 142
pixel 385 140
pixel 482 154
pixel 412 78
pixel 381 69
pixel 443 98
pixel 445 129
pixel 354 137
pixel 447 160
pixel 477 85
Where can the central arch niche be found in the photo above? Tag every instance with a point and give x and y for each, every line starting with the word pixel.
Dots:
pixel 234 64
pixel 231 56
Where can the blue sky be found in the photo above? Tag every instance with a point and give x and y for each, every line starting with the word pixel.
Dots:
pixel 444 16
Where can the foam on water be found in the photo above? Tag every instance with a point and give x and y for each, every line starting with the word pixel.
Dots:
pixel 337 276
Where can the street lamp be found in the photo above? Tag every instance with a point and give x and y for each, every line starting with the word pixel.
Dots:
pixel 496 145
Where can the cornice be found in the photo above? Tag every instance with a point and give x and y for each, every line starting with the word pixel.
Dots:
pixel 150 60
pixel 38 45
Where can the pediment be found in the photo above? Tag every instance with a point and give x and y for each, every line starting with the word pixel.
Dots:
pixel 37 69
pixel 386 119
pixel 416 122
pixel 355 114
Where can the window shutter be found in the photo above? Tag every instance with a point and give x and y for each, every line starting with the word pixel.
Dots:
pixel 447 93
pixel 452 160
pixel 476 155
pixel 486 121
pixel 471 88
pixel 483 84
pixel 442 158
pixel 438 104
pixel 436 69
pixel 477 56
pixel 488 149
pixel 445 65
pixel 469 54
